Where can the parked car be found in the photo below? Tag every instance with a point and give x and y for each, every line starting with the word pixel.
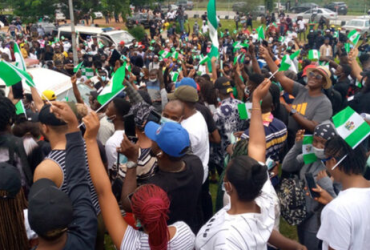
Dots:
pixel 48 27
pixel 361 25
pixel 167 8
pixel 187 5
pixel 328 14
pixel 303 7
pixel 260 10
pixel 279 7
pixel 140 18
pixel 98 15
pixel 339 7
pixel 239 6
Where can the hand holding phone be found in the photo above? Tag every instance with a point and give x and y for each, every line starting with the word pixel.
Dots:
pixel 310 180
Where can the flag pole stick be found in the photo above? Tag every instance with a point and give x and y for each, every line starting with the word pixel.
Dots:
pixel 273 74
pixel 101 107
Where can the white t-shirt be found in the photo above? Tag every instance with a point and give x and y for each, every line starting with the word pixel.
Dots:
pixel 182 240
pixel 242 231
pixel 254 37
pixel 204 28
pixel 198 133
pixel 111 146
pixel 301 24
pixel 6 51
pixel 345 222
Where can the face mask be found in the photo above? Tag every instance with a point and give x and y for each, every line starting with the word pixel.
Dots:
pixel 335 77
pixel 152 80
pixel 103 78
pixel 165 119
pixel 111 118
pixel 141 74
pixel 305 79
pixel 247 62
pixel 319 152
pixel 218 99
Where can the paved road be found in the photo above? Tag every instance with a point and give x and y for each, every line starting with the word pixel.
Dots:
pixel 191 13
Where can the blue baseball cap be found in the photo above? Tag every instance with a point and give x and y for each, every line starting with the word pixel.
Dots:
pixel 171 137
pixel 186 81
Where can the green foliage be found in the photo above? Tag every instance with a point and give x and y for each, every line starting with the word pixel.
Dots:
pixel 138 32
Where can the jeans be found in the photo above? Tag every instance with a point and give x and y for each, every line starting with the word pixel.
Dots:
pixel 181 22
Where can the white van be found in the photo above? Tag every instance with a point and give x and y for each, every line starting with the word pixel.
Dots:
pixel 46 79
pixel 108 36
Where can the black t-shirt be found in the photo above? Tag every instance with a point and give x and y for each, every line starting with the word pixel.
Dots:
pixel 183 188
pixel 342 87
pixel 211 125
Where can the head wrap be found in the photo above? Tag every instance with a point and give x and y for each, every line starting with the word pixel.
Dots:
pixel 141 111
pixel 325 130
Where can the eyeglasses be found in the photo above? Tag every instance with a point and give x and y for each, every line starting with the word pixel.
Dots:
pixel 339 160
pixel 316 76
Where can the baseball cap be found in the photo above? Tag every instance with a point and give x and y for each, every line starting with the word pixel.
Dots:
pixel 48 118
pixel 223 85
pixel 185 94
pixel 49 94
pixel 49 209
pixel 10 180
pixel 171 137
pixel 186 81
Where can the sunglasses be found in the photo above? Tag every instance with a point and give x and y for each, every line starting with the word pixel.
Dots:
pixel 316 76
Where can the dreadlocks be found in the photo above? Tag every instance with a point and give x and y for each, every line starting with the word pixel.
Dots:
pixel 7 114
pixel 12 229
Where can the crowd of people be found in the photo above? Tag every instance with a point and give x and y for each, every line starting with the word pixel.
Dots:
pixel 139 166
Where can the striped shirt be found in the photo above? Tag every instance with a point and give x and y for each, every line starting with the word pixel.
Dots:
pixel 182 240
pixel 59 157
pixel 241 231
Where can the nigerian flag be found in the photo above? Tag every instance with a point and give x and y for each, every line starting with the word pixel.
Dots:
pixel 175 55
pixel 19 58
pixel 336 34
pixel 203 59
pixel 164 54
pixel 282 39
pixel 77 67
pixel 351 126
pixel 287 64
pixel 261 33
pixel 11 75
pixel 19 108
pixel 88 72
pixel 354 37
pixel 347 47
pixel 212 25
pixel 245 110
pixel 114 87
pixel 307 149
pixel 174 76
pixel 313 54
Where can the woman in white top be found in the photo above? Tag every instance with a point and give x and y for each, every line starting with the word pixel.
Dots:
pixel 149 203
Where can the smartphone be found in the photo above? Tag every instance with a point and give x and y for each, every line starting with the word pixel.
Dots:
pixel 154 117
pixel 310 180
pixel 129 123
pixel 17 90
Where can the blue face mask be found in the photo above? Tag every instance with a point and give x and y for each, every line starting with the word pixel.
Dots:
pixel 141 74
pixel 103 78
pixel 335 77
pixel 164 120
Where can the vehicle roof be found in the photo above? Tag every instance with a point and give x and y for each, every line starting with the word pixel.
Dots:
pixel 88 29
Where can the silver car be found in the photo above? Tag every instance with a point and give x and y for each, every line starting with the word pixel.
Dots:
pixel 328 14
pixel 361 25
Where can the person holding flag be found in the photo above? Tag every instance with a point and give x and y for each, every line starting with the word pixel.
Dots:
pixel 305 157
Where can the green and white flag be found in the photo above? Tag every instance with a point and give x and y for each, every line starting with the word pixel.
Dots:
pixel 77 67
pixel 19 58
pixel 358 84
pixel 212 25
pixel 314 55
pixel 88 72
pixel 11 75
pixel 351 126
pixel 282 39
pixel 203 59
pixel 354 37
pixel 347 47
pixel 245 110
pixel 101 45
pixel 175 55
pixel 164 54
pixel 114 87
pixel 19 108
pixel 336 34
pixel 307 149
pixel 287 64
pixel 174 76
pixel 261 33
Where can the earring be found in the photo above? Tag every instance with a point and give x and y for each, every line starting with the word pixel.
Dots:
pixel 138 224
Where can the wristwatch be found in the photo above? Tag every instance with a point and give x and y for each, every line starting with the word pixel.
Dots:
pixel 131 164
pixel 292 112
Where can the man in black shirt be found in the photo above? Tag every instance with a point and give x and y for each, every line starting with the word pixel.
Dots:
pixel 179 174
pixel 319 39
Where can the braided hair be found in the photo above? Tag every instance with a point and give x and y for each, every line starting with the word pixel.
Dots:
pixel 150 204
pixel 7 114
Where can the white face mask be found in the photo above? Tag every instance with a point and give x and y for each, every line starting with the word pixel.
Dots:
pixel 153 80
pixel 319 152
pixel 111 118
pixel 305 79
pixel 164 120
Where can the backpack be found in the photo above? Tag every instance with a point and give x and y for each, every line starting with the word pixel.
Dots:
pixel 292 200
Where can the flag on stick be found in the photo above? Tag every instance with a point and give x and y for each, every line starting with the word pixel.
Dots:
pixel 19 108
pixel 354 37
pixel 314 55
pixel 19 58
pixel 351 126
pixel 77 67
pixel 212 25
pixel 244 110
pixel 307 149
pixel 261 33
pixel 11 75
